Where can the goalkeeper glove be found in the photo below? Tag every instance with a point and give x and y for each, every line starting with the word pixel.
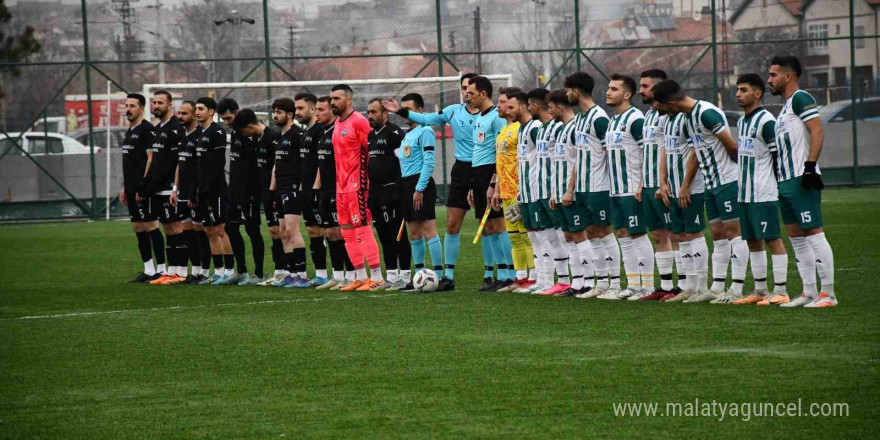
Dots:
pixel 513 213
pixel 811 179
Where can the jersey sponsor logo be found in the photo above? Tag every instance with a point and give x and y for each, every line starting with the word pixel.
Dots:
pixel 344 132
pixel 481 136
pixel 407 151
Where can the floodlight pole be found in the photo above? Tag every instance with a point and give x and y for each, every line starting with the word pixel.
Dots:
pixel 440 73
pixel 577 35
pixel 87 62
pixel 715 95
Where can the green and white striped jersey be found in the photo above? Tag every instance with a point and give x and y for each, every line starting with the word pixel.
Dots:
pixel 678 149
pixel 591 164
pixel 756 143
pixel 652 136
pixel 624 144
pixel 792 137
pixel 544 144
pixel 704 123
pixel 564 155
pixel 527 158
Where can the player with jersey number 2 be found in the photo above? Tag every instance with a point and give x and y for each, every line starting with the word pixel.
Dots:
pixel 350 148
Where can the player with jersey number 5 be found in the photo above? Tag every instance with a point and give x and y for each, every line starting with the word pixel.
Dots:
pixel 758 193
pixel 799 139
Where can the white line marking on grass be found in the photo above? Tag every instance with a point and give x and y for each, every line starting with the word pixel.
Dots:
pixel 203 306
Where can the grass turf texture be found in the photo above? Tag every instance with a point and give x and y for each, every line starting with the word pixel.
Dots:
pixel 233 362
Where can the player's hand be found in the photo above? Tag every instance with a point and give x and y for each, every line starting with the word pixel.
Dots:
pixel 190 204
pixel 513 213
pixel 496 201
pixel 173 199
pixel 490 192
pixel 471 198
pixel 122 196
pixel 391 105
pixel 553 203
pixel 684 196
pixel 638 193
pixel 663 194
pixel 137 196
pixel 568 198
pixel 417 200
pixel 811 179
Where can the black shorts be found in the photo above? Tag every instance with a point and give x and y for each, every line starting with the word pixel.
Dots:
pixel 385 204
pixel 163 209
pixel 429 199
pixel 291 203
pixel 327 217
pixel 194 215
pixel 211 209
pixel 460 185
pixel 482 178
pixel 139 211
pixel 310 211
pixel 270 207
pixel 247 212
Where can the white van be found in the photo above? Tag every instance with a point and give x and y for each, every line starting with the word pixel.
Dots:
pixel 41 144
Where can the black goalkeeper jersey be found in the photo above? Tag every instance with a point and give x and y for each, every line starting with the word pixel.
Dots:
pixel 169 140
pixel 287 167
pixel 266 146
pixel 186 160
pixel 384 165
pixel 211 160
pixel 308 155
pixel 326 163
pixel 244 181
pixel 134 155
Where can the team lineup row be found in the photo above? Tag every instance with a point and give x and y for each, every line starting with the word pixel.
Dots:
pixel 566 191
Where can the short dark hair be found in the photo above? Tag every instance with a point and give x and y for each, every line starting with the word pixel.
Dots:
pixel 752 79
pixel 191 103
pixel 227 105
pixel 539 95
pixel 415 98
pixel 508 91
pixel 654 73
pixel 307 97
pixel 481 84
pixel 667 90
pixel 164 92
pixel 628 82
pixel 284 104
pixel 789 62
pixel 521 97
pixel 243 118
pixel 558 97
pixel 140 98
pixel 581 81
pixel 207 102
pixel 325 99
pixel 379 100
pixel 344 87
pixel 465 76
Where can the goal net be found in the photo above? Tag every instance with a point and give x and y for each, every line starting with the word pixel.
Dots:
pixel 258 96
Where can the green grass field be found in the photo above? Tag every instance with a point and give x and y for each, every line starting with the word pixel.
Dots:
pixel 84 355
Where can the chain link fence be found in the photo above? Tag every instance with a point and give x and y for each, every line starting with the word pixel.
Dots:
pixel 62 121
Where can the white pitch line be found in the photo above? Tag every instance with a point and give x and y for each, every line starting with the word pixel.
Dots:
pixel 159 309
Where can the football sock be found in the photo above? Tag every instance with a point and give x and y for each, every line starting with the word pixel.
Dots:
pixel 158 247
pixel 574 259
pixel 630 263
pixel 585 253
pixel 171 252
pixel 404 252
pixel 143 241
pixel 645 251
pixel 218 264
pixel 204 249
pixel 806 264
pixel 299 262
pixel 679 269
pixel 192 241
pixel 824 261
pixel 534 268
pixel 405 275
pixel 686 267
pixel 370 249
pixel 529 251
pixel 337 257
pixel 612 260
pixel 436 250
pixel 389 243
pixel 497 244
pixel 288 262
pixel 739 262
pixel 278 253
pixel 353 248
pixel 701 261
pixel 758 261
pixel 391 275
pixel 228 262
pixel 780 272
pixel 451 245
pixel 559 253
pixel 258 246
pixel 149 267
pixel 237 243
pixel 720 258
pixel 507 253
pixel 418 253
pixel 599 263
pixel 664 267
pixel 319 253
pixel 488 256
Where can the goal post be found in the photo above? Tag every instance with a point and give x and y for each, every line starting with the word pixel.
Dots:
pixel 438 92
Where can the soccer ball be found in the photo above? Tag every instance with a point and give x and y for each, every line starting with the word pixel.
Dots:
pixel 425 280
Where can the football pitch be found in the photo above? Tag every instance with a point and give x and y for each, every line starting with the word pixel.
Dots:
pixel 84 355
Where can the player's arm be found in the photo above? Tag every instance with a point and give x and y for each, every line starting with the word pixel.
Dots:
pixel 691 169
pixel 803 105
pixel 425 118
pixel 713 120
pixel 768 134
pixel 272 185
pixel 635 129
pixel 663 193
